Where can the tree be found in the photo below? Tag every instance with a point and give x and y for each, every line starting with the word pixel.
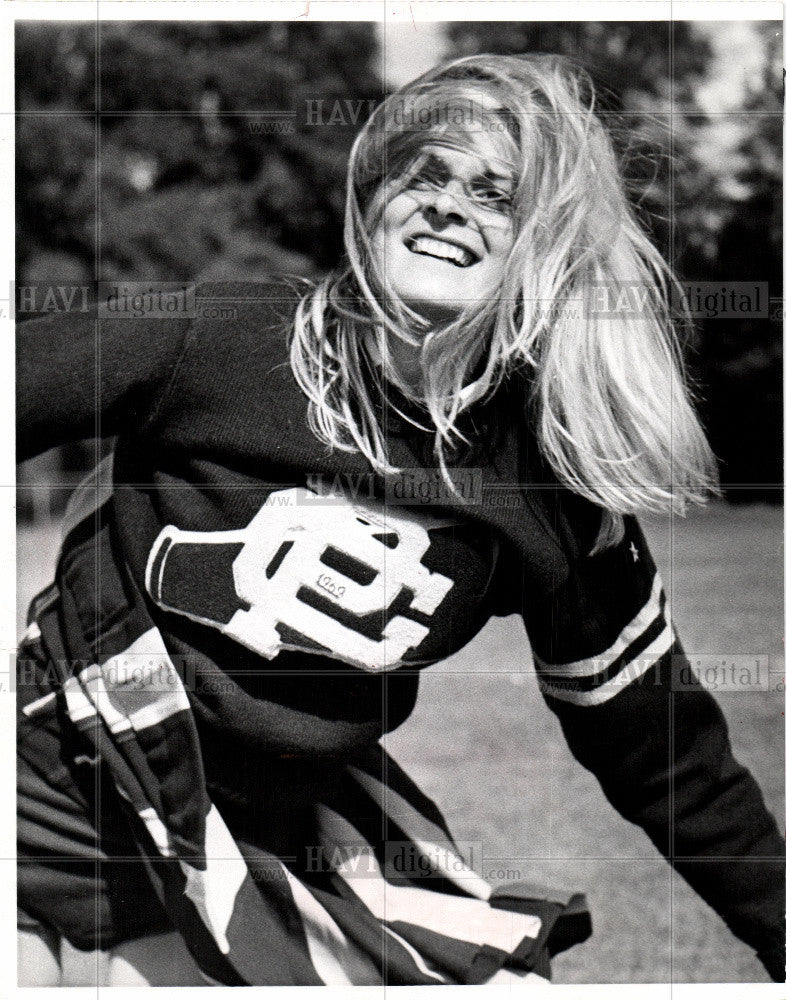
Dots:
pixel 194 148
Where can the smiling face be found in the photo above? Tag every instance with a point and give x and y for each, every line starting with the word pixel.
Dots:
pixel 444 239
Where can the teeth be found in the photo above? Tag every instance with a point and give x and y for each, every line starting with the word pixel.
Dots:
pixel 443 251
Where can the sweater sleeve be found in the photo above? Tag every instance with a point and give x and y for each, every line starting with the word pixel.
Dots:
pixel 79 375
pixel 612 669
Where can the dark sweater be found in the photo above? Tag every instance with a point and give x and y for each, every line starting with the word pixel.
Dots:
pixel 210 425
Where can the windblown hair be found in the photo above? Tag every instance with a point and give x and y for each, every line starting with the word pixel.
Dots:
pixel 608 398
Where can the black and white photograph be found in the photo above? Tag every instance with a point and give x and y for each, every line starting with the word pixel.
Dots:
pixel 399 498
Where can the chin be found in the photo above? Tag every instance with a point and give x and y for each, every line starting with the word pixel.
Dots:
pixel 436 312
pixel 435 309
pixel 439 305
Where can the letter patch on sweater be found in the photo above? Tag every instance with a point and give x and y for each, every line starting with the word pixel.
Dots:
pixel 321 574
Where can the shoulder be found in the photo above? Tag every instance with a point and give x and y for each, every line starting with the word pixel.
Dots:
pixel 568 521
pixel 237 343
pixel 237 321
pixel 577 522
pixel 261 305
pixel 280 292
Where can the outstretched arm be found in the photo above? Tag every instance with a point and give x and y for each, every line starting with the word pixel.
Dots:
pixel 633 713
pixel 80 376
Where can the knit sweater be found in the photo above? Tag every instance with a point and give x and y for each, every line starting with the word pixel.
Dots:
pixel 344 597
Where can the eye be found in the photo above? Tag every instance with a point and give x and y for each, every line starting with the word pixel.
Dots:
pixel 493 197
pixel 426 177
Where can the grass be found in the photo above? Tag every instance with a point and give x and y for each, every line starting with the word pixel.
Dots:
pixel 482 743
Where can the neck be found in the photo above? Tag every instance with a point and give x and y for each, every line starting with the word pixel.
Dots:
pixel 401 366
pixel 406 367
pixel 403 362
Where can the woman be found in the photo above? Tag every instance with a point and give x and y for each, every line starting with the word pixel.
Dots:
pixel 239 619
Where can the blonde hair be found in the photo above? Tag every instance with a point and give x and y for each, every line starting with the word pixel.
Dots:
pixel 609 403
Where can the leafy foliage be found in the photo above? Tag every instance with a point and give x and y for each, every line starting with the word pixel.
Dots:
pixel 175 150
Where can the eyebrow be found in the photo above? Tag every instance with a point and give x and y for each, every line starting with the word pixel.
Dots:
pixel 488 174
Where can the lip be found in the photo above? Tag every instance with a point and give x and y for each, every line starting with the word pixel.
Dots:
pixel 476 256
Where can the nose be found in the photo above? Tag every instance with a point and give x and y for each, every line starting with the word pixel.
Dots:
pixel 444 205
